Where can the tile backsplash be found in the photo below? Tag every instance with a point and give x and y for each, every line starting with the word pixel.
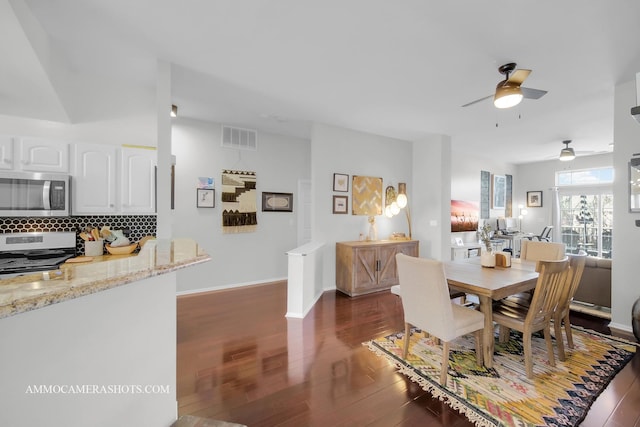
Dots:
pixel 135 226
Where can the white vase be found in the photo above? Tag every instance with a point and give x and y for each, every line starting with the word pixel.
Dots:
pixel 488 259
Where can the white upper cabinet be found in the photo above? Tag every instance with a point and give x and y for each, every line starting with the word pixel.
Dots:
pixel 94 179
pixel 109 180
pixel 6 152
pixel 138 185
pixel 42 155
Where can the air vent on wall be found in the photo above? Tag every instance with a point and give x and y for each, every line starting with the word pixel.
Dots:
pixel 239 138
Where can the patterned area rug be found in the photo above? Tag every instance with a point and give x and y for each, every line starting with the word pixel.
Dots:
pixel 503 395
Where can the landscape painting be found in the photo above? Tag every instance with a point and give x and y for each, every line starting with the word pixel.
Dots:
pixel 464 215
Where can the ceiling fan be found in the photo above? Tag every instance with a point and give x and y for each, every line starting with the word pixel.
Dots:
pixel 509 92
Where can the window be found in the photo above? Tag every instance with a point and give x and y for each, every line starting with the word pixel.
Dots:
pixel 586 210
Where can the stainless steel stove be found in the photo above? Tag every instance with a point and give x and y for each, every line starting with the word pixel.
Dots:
pixel 23 253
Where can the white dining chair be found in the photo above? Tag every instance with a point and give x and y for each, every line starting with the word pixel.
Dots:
pixel 426 304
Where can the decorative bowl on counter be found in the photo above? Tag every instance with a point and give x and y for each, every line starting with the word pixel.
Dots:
pixel 121 250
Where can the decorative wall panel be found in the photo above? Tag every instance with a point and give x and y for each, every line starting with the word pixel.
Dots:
pixel 366 196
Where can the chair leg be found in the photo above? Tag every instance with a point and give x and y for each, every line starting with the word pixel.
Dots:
pixel 445 363
pixel 557 327
pixel 567 330
pixel 503 334
pixel 528 357
pixel 479 350
pixel 407 337
pixel 547 338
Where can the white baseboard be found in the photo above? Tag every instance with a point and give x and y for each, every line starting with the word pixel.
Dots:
pixel 229 286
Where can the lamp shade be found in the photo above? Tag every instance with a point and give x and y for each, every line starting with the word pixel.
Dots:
pixel 567 153
pixel 507 95
pixel 401 200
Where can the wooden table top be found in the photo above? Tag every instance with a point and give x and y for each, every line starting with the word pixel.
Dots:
pixel 498 282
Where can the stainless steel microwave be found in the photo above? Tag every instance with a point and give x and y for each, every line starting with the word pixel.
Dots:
pixel 34 194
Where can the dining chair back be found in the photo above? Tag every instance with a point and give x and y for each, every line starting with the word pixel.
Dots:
pixel 552 277
pixel 532 250
pixel 561 314
pixel 426 304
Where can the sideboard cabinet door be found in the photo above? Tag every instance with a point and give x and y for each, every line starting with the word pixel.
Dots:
pixel 365 267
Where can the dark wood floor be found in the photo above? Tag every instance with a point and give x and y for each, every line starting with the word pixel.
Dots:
pixel 240 359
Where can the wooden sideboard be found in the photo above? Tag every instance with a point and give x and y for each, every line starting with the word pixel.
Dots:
pixel 363 267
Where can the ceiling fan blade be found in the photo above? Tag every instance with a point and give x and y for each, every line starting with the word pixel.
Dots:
pixel 529 93
pixel 518 76
pixel 477 100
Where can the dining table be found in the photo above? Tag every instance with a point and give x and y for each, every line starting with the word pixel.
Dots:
pixel 490 284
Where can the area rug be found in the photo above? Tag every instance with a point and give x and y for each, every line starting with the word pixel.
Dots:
pixel 503 395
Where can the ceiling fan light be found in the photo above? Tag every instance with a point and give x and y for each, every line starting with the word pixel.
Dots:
pixel 507 96
pixel 567 154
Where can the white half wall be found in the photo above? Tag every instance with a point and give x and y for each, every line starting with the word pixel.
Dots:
pixel 242 258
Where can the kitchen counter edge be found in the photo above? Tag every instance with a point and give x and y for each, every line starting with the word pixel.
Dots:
pixel 38 290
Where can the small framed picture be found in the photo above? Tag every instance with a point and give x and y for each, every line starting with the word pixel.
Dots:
pixel 340 182
pixel 459 241
pixel 340 204
pixel 534 199
pixel 206 198
pixel 277 202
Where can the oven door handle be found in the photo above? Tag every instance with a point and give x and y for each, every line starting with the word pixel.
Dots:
pixel 46 195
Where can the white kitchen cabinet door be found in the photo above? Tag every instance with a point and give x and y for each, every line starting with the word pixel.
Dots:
pixel 41 155
pixel 94 179
pixel 138 180
pixel 6 152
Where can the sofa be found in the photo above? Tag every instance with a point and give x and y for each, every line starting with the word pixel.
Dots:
pixel 595 284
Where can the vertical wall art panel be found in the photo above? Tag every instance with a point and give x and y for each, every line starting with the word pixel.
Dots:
pixel 239 201
pixel 485 195
pixel 508 209
pixel 366 196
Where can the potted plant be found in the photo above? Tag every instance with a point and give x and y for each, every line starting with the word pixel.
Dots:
pixel 487 257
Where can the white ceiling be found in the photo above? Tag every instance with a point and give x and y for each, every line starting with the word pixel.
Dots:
pixel 396 68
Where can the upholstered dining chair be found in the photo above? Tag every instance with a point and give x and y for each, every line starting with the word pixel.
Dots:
pixel 426 305
pixel 561 314
pixel 532 250
pixel 553 275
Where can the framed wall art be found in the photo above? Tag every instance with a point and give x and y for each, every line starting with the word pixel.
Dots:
pixel 340 182
pixel 534 199
pixel 206 198
pixel 277 202
pixel 340 204
pixel 499 191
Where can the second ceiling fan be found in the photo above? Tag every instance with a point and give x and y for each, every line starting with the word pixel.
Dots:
pixel 509 91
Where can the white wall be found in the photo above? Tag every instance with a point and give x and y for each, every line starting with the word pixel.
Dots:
pixel 138 128
pixel 339 150
pixel 431 196
pixel 540 176
pixel 242 258
pixel 625 286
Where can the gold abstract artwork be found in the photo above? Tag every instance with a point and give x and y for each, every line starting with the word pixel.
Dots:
pixel 366 195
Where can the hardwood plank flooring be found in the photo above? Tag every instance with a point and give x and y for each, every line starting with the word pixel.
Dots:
pixel 241 360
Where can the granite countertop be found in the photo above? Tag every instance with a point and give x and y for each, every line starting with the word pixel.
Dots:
pixel 73 280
